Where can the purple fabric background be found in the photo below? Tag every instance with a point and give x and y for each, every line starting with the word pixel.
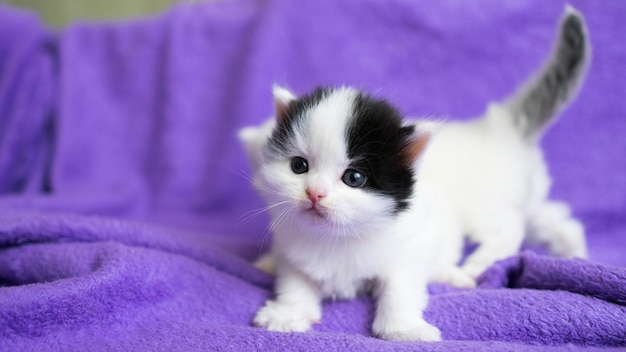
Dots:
pixel 123 191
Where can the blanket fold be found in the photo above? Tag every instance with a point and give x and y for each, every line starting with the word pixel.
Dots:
pixel 544 273
pixel 27 89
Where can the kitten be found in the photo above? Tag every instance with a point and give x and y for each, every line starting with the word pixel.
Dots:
pixel 361 199
pixel 492 169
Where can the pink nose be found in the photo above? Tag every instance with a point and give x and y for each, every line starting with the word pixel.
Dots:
pixel 315 195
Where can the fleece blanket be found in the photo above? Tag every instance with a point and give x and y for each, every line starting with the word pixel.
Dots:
pixel 127 221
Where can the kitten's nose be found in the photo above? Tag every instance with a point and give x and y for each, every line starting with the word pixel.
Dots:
pixel 315 195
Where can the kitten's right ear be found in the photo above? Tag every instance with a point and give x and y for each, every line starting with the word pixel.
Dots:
pixel 282 98
pixel 254 138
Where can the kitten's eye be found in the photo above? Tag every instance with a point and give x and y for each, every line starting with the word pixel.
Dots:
pixel 299 165
pixel 353 178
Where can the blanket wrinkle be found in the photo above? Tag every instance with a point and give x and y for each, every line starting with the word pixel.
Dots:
pixel 27 89
pixel 122 200
pixel 19 230
pixel 529 270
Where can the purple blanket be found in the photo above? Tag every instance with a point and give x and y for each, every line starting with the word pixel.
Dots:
pixel 125 217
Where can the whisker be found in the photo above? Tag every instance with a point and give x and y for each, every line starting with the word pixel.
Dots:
pixel 270 228
pixel 345 235
pixel 260 186
pixel 264 239
pixel 279 219
pixel 251 214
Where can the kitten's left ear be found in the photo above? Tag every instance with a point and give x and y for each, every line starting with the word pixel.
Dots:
pixel 282 98
pixel 422 132
pixel 416 145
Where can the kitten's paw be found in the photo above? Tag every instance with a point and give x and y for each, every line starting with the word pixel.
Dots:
pixel 459 278
pixel 266 263
pixel 553 226
pixel 473 270
pixel 569 240
pixel 417 331
pixel 277 316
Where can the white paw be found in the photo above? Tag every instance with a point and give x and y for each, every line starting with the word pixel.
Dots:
pixel 553 226
pixel 417 331
pixel 266 263
pixel 459 278
pixel 283 317
pixel 569 240
pixel 473 270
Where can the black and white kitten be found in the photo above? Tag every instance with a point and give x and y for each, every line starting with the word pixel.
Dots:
pixel 362 199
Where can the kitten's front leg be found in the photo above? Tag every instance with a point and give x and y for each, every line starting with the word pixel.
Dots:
pixel 296 307
pixel 399 310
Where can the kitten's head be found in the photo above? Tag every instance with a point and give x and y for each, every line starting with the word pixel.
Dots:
pixel 337 160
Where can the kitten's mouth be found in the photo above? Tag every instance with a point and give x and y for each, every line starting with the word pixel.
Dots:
pixel 315 212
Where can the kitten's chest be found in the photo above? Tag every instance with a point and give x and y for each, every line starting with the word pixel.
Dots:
pixel 341 278
pixel 339 285
pixel 340 272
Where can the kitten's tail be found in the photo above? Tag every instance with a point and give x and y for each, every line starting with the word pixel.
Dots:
pixel 538 101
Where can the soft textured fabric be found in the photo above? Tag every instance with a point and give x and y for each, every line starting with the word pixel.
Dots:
pixel 124 200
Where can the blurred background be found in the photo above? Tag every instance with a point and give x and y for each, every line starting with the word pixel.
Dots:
pixel 139 118
pixel 59 13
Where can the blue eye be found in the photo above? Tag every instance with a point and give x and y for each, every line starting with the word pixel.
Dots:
pixel 299 165
pixel 353 178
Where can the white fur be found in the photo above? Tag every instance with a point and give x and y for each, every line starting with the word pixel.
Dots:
pixel 282 95
pixel 358 246
pixel 497 183
pixel 481 178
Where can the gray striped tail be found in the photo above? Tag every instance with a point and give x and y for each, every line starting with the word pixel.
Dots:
pixel 549 91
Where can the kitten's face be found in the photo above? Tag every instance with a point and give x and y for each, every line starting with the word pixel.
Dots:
pixel 336 161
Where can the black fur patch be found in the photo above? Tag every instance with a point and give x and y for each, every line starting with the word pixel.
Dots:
pixel 294 116
pixel 377 144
